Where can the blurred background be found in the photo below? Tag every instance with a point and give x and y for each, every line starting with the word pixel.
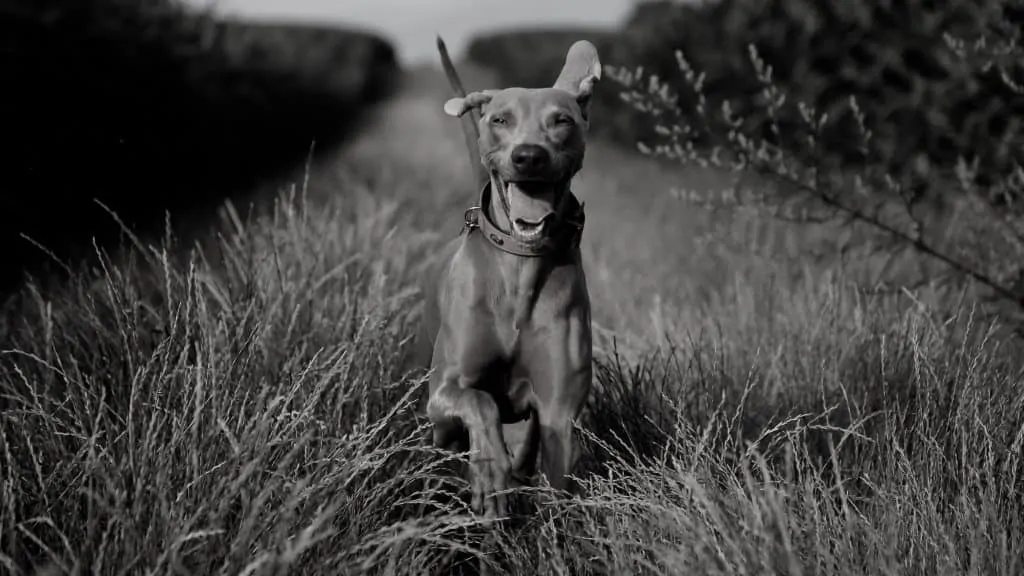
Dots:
pixel 151 108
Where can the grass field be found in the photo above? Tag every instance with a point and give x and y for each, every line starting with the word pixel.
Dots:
pixel 245 405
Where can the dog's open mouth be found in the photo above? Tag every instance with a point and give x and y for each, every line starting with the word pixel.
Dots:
pixel 528 230
pixel 531 207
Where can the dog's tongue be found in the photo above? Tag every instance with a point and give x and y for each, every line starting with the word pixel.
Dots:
pixel 531 202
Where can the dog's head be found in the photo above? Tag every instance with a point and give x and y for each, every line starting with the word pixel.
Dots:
pixel 532 139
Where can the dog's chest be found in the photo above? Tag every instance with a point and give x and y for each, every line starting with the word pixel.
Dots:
pixel 490 287
pixel 502 311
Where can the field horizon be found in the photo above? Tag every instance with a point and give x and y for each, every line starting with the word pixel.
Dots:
pixel 241 400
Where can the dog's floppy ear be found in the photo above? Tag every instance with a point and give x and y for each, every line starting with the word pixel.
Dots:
pixel 581 71
pixel 459 106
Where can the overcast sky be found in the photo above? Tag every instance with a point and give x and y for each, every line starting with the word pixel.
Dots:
pixel 412 24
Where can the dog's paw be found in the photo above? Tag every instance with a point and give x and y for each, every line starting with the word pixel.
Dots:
pixel 491 474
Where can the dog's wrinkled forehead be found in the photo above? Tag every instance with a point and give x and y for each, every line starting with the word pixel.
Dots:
pixel 532 103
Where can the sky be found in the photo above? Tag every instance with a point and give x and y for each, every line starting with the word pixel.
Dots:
pixel 413 24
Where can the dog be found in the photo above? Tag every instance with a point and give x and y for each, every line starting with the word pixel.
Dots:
pixel 506 327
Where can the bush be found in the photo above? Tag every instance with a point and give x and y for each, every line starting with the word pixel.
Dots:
pixel 344 62
pixel 923 104
pixel 891 157
pixel 149 107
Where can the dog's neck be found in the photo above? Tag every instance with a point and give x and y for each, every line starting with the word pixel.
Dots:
pixel 530 271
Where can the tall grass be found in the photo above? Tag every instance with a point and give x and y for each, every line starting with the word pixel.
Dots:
pixel 238 410
pixel 248 407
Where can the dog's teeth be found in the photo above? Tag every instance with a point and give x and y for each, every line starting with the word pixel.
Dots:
pixel 528 231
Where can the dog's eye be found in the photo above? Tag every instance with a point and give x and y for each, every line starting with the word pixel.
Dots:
pixel 562 120
pixel 499 119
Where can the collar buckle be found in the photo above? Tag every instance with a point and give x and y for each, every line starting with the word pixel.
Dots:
pixel 470 219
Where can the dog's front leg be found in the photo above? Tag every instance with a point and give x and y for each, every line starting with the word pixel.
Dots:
pixel 454 405
pixel 562 375
pixel 558 445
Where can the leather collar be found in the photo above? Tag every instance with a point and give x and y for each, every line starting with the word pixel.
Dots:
pixel 566 230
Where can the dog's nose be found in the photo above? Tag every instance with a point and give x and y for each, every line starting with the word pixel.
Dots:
pixel 530 158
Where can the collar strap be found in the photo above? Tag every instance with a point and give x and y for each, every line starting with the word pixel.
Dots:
pixel 568 231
